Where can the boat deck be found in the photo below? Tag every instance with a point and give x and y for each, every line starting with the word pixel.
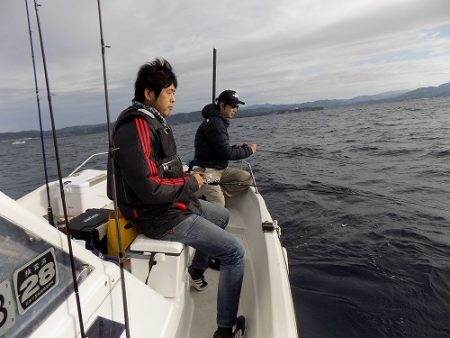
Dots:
pixel 204 321
pixel 266 301
pixel 205 302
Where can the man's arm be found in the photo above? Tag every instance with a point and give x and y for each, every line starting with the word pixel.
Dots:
pixel 219 140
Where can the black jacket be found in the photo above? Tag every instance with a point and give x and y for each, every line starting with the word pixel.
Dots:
pixel 152 189
pixel 212 143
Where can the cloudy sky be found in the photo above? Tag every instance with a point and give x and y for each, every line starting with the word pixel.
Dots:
pixel 283 51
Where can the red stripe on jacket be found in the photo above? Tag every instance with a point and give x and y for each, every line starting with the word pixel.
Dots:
pixel 180 206
pixel 145 140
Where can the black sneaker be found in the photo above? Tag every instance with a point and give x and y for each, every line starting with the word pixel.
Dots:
pixel 239 330
pixel 199 284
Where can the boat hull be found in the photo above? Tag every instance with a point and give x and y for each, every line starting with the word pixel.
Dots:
pixel 266 299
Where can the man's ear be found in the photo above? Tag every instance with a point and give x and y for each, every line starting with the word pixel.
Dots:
pixel 149 95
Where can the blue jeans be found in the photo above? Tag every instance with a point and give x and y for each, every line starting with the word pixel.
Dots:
pixel 205 233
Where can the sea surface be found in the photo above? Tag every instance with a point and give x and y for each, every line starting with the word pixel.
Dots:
pixel 362 196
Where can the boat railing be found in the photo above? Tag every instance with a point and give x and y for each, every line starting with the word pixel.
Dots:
pixel 86 161
pixel 244 163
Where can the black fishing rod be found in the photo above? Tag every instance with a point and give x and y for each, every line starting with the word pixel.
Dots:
pixel 358 193
pixel 44 159
pixel 311 156
pixel 377 196
pixel 349 163
pixel 361 193
pixel 374 196
pixel 111 158
pixel 214 76
pixel 61 186
pixel 229 183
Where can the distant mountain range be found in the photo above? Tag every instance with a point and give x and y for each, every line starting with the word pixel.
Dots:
pixel 392 96
pixel 257 110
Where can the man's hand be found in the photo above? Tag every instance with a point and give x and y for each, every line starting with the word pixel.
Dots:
pixel 199 178
pixel 251 146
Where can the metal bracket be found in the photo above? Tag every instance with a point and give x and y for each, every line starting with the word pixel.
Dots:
pixel 268 226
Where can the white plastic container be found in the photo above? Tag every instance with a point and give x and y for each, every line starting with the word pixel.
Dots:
pixel 168 274
pixel 85 189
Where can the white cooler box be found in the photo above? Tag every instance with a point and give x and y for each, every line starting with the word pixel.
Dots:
pixel 83 190
pixel 168 272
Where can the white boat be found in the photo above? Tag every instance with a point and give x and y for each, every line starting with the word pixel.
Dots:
pixel 37 297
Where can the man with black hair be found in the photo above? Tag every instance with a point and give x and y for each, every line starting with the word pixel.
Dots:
pixel 213 150
pixel 155 193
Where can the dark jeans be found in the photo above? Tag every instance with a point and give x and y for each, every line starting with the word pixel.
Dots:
pixel 206 234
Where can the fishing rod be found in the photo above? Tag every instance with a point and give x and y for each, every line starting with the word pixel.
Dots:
pixel 229 183
pixel 113 180
pixel 61 186
pixel 44 159
pixel 344 162
pixel 376 197
pixel 395 199
pixel 214 76
pixel 311 156
pixel 209 182
pixel 360 193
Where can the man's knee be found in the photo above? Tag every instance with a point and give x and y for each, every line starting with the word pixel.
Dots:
pixel 247 179
pixel 234 255
pixel 214 195
pixel 218 200
pixel 240 251
pixel 215 213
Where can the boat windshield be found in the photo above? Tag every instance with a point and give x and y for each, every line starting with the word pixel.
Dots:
pixel 35 278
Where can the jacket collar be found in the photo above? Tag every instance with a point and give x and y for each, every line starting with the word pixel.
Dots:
pixel 210 110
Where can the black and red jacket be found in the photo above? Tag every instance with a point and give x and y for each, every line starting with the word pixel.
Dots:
pixel 152 189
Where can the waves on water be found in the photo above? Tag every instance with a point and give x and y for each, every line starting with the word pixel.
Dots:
pixel 361 194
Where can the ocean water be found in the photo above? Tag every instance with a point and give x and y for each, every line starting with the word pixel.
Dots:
pixel 362 196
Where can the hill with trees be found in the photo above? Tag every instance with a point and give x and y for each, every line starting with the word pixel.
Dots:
pixel 257 110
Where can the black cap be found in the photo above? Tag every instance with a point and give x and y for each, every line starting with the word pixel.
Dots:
pixel 229 97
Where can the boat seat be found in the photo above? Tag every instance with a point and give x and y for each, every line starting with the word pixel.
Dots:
pixel 160 264
pixel 143 243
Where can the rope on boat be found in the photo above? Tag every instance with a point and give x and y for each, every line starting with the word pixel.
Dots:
pixel 61 186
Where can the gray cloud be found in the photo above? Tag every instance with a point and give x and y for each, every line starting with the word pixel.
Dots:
pixel 270 51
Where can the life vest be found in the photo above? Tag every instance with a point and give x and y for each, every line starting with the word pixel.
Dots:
pixel 168 163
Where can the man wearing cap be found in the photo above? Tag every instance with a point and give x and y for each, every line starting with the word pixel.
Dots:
pixel 213 150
